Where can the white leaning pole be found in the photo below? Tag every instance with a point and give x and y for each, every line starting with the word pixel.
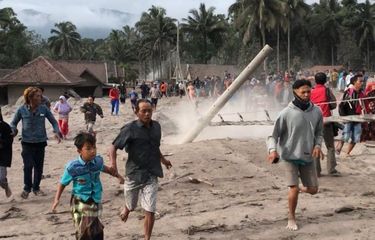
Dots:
pixel 223 99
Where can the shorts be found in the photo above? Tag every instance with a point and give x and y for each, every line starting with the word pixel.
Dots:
pixel 352 131
pixel 147 192
pixel 90 126
pixel 307 173
pixel 154 101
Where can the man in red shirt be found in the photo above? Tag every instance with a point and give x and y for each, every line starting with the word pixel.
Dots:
pixel 163 89
pixel 114 94
pixel 320 95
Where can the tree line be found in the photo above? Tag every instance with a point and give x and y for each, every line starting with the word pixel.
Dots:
pixel 327 33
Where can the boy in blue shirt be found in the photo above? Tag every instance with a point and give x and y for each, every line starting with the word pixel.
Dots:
pixel 87 189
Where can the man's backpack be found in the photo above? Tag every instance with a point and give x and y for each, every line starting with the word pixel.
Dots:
pixel 346 108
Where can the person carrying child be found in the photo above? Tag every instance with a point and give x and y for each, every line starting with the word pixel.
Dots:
pixel 6 141
pixel 87 190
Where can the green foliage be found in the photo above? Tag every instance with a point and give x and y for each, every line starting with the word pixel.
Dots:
pixel 15 41
pixel 158 34
pixel 204 32
pixel 328 32
pixel 65 42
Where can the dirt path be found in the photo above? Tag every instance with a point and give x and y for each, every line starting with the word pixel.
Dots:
pixel 248 199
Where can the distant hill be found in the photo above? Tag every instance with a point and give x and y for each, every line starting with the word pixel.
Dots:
pixel 94 23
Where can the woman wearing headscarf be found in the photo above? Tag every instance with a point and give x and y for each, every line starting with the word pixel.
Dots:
pixel 63 108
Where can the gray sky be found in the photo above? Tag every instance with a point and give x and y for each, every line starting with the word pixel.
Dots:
pixel 40 15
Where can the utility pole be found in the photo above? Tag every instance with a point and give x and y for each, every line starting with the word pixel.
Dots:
pixel 223 99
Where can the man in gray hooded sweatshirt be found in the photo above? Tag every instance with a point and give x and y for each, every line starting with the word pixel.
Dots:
pixel 296 139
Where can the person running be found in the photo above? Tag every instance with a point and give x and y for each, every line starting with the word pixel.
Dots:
pixel 91 109
pixel 84 172
pixel 155 95
pixel 63 108
pixel 34 138
pixel 133 98
pixel 297 136
pixel 181 89
pixel 6 141
pixel 191 92
pixel 144 90
pixel 114 94
pixel 122 92
pixel 141 140
pixel 321 94
pixel 352 130
pixel 163 89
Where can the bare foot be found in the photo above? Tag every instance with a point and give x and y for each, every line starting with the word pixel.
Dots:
pixel 124 214
pixel 292 225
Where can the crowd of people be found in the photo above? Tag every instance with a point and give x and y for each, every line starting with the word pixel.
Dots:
pixel 297 138
pixel 300 130
pixel 139 138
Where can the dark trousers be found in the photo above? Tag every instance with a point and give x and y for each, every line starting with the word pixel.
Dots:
pixel 33 158
pixel 328 136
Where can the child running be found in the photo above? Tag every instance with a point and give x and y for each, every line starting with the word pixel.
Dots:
pixel 87 188
pixel 6 141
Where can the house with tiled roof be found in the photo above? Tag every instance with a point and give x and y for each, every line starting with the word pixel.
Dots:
pixel 56 77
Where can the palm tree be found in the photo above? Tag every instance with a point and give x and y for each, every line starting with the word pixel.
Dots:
pixel 325 25
pixel 365 28
pixel 116 45
pixel 66 41
pixel 295 11
pixel 120 47
pixel 259 15
pixel 157 30
pixel 205 26
pixel 130 34
pixel 91 49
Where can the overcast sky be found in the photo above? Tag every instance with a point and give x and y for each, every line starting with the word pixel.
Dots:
pixel 89 14
pixel 80 12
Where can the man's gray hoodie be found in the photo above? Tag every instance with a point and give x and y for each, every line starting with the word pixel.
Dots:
pixel 296 133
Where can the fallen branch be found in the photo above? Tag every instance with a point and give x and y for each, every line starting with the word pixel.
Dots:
pixel 197 180
pixel 175 179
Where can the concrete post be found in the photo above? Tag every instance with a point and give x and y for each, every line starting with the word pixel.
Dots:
pixel 223 99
